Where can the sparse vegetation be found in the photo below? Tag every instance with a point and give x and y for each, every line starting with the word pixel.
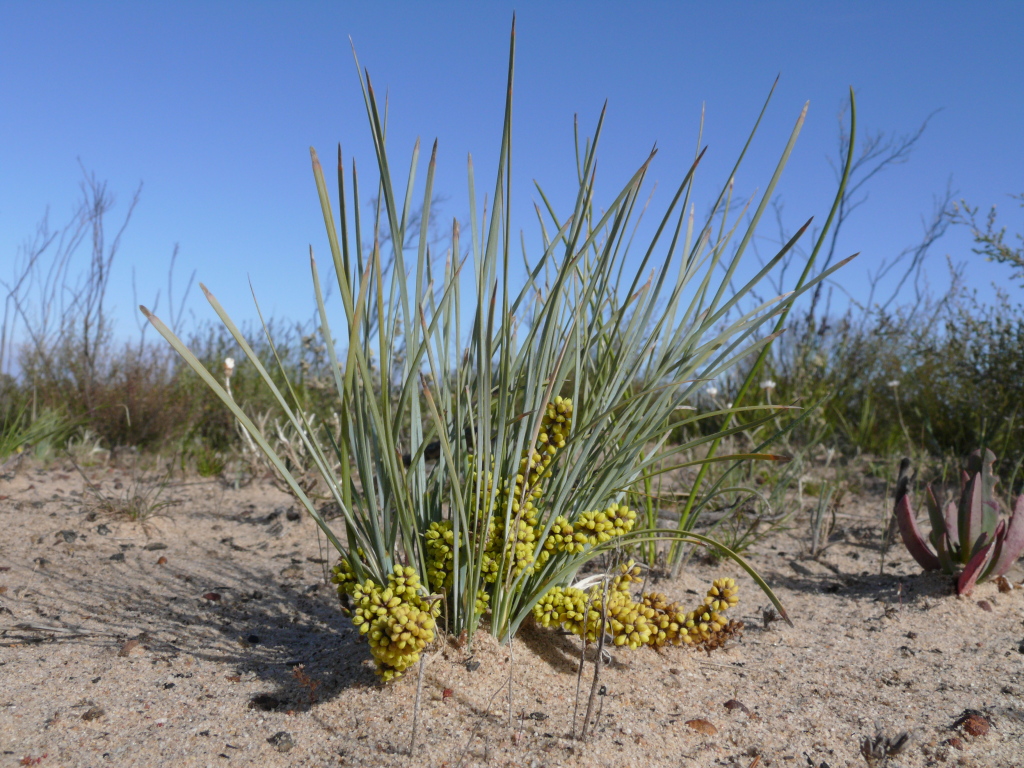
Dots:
pixel 499 452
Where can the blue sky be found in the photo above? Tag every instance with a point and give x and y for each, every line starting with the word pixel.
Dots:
pixel 213 106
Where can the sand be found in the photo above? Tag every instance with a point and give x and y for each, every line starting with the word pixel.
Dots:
pixel 206 636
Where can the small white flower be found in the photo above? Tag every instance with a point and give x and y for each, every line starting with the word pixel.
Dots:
pixel 229 366
pixel 894 383
pixel 712 391
pixel 767 384
pixel 729 404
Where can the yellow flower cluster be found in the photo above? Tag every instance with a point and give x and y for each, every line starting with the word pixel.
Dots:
pixel 592 528
pixel 524 494
pixel 344 577
pixel 650 621
pixel 440 544
pixel 397 620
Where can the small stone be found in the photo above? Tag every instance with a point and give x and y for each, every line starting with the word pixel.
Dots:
pixel 68 536
pixel 985 605
pixel 293 515
pixel 472 666
pixel 281 741
pixel 732 704
pixel 213 597
pixel 155 546
pixel 975 725
pixel 103 529
pixel 702 726
pixel 252 639
pixel 162 560
pixel 93 713
pixel 117 557
pixel 126 649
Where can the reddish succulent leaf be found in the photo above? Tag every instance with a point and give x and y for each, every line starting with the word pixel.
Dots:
pixel 912 536
pixel 1012 545
pixel 703 726
pixel 971 518
pixel 973 569
pixel 952 526
pixel 934 515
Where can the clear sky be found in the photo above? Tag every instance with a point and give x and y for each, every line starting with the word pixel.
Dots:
pixel 213 106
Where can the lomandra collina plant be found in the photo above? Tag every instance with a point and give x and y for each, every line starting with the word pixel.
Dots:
pixel 491 423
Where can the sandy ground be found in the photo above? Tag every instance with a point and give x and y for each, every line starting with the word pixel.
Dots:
pixel 205 636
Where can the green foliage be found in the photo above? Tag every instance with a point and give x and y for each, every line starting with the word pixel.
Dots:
pixel 991 242
pixel 209 463
pixel 939 380
pixel 21 433
pixel 455 386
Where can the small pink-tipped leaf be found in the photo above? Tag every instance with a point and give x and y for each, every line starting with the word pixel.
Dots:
pixel 970 520
pixel 939 536
pixel 934 514
pixel 952 529
pixel 912 536
pixel 975 566
pixel 1012 545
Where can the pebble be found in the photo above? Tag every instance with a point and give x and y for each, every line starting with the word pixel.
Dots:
pixel 69 536
pixel 117 557
pixel 103 529
pixel 282 741
pixel 93 713
pixel 975 725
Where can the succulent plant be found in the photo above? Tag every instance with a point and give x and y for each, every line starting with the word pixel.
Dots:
pixel 970 538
